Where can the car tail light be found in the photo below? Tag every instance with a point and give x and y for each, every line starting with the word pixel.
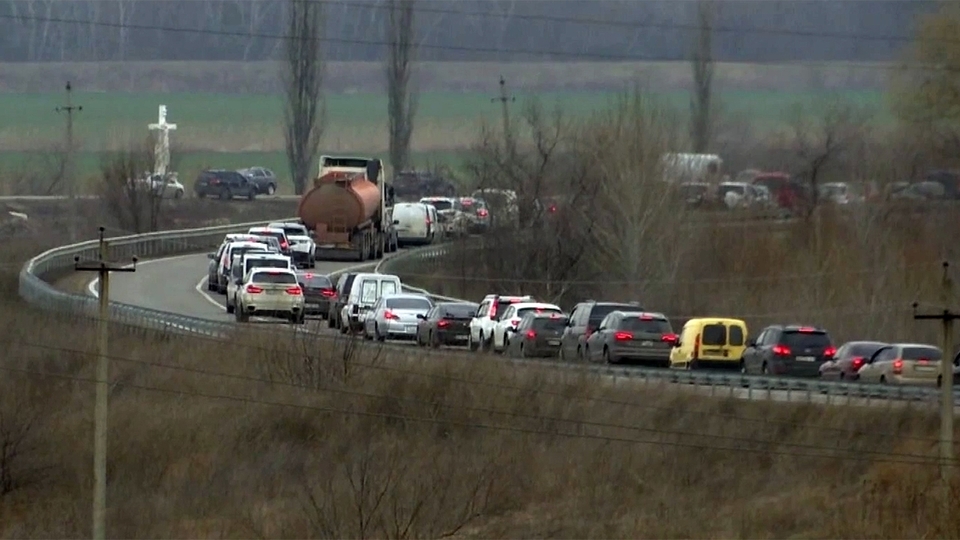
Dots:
pixel 588 331
pixel 646 318
pixel 443 323
pixel 669 338
pixel 295 290
pixel 781 350
pixel 482 212
pixel 829 352
pixel 806 329
pixel 253 289
pixel 531 334
pixel 857 362
pixel 898 366
pixel 389 315
pixel 514 322
pixel 552 209
pixel 329 293
pixel 284 245
pixel 623 336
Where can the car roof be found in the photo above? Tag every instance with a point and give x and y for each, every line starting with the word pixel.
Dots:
pixel 520 305
pixel 375 275
pixel 806 328
pixel 244 243
pixel 554 315
pixel 404 295
pixel 448 304
pixel 650 314
pixel 265 229
pixel 715 320
pixel 925 345
pixel 273 270
pixel 266 255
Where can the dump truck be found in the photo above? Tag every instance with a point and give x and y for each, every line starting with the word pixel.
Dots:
pixel 348 209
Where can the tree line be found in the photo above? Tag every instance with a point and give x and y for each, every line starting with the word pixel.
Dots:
pixel 247 30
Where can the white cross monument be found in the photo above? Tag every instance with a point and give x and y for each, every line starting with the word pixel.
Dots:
pixel 162 148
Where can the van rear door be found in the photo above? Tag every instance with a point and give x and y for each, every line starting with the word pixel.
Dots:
pixel 713 341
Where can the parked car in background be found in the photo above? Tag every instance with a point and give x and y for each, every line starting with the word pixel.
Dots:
pixel 538 335
pixel 632 336
pixel 850 357
pixel 262 179
pixel 165 187
pixel 224 185
pixel 904 363
pixel 788 350
pixel 448 323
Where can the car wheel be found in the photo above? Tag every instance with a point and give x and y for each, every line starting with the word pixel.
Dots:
pixel 331 323
pixel 471 344
pixel 252 194
pixel 225 194
pixel 561 356
pixel 503 344
pixel 434 341
pixel 178 194
pixel 743 367
pixel 230 307
pixel 765 370
pixel 271 189
pixel 883 379
pixel 343 328
pixel 366 335
pixel 606 356
pixel 484 344
pixel 376 330
pixel 523 351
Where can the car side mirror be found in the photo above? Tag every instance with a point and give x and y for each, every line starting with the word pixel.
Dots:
pixel 211 256
pixel 751 343
pixel 511 329
pixel 421 316
pixel 396 222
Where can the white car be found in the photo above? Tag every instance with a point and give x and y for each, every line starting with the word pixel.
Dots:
pixel 395 316
pixel 511 318
pixel 415 223
pixel 450 214
pixel 302 247
pixel 363 292
pixel 272 292
pixel 243 264
pixel 483 323
pixel 226 260
pixel 277 233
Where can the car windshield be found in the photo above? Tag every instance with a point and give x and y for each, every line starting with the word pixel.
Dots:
pixel 550 323
pixel 921 353
pixel 313 281
pixel 459 311
pixel 282 278
pixel 408 303
pixel 806 339
pixel 523 311
pixel 652 326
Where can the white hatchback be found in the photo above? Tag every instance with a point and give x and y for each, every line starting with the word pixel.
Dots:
pixel 395 316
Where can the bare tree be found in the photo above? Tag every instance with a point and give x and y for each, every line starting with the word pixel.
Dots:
pixel 701 103
pixel 304 113
pixel 128 192
pixel 402 99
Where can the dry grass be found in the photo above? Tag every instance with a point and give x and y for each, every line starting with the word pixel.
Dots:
pixel 365 77
pixel 266 436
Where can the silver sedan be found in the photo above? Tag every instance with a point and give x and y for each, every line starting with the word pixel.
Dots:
pixel 394 316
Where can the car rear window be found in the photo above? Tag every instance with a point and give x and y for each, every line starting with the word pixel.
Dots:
pixel 278 235
pixel 736 336
pixel 408 303
pixel 864 349
pixel 916 353
pixel 459 311
pixel 523 311
pixel 266 263
pixel 550 323
pixel 441 205
pixel 313 281
pixel 806 339
pixel 714 335
pixel 600 311
pixel 282 278
pixel 653 326
pixel 503 303
pixel 295 230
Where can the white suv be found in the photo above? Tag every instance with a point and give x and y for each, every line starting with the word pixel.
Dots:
pixel 243 264
pixel 511 318
pixel 272 292
pixel 483 323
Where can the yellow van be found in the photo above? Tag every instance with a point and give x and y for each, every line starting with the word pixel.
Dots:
pixel 716 342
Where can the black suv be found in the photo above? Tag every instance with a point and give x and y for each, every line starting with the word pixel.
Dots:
pixel 788 350
pixel 224 185
pixel 584 320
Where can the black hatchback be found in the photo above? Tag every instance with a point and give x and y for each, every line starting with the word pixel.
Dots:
pixel 789 350
pixel 318 291
pixel 538 334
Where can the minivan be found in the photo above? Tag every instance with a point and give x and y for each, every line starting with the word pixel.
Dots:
pixel 704 342
pixel 362 294
pixel 416 223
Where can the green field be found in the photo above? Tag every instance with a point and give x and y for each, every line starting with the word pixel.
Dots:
pixel 240 130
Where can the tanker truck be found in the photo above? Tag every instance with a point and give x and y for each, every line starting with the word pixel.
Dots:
pixel 348 209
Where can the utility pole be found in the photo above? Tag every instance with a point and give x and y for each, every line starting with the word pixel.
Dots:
pixel 66 172
pixel 946 316
pixel 505 100
pixel 103 268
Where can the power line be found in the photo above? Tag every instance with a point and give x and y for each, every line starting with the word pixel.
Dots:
pixel 476 425
pixel 453 48
pixel 500 386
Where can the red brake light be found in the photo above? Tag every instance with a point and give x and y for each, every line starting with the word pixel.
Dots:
pixel 806 329
pixel 253 289
pixel 669 338
pixel 482 212
pixel 443 323
pixel 295 290
pixel 329 293
pixel 283 245
pixel 830 351
pixel 781 350
pixel 514 322
pixel 646 318
pixel 531 334
pixel 308 276
pixel 623 336
pixel 390 315
pixel 552 209
pixel 898 366
pixel 857 362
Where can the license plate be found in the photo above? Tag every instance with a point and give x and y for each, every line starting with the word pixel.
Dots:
pixel 553 342
pixel 647 343
pixel 312 305
pixel 925 368
pixel 806 358
pixel 463 337
pixel 409 328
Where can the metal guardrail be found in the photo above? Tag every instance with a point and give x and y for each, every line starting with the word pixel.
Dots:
pixel 40 293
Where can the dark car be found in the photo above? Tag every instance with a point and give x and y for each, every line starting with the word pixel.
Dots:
pixel 224 185
pixel 318 292
pixel 262 178
pixel 633 336
pixel 788 350
pixel 538 334
pixel 584 320
pixel 338 302
pixel 849 358
pixel 447 323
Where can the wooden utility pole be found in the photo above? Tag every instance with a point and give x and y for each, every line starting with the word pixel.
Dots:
pixel 66 172
pixel 103 268
pixel 946 316
pixel 505 100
